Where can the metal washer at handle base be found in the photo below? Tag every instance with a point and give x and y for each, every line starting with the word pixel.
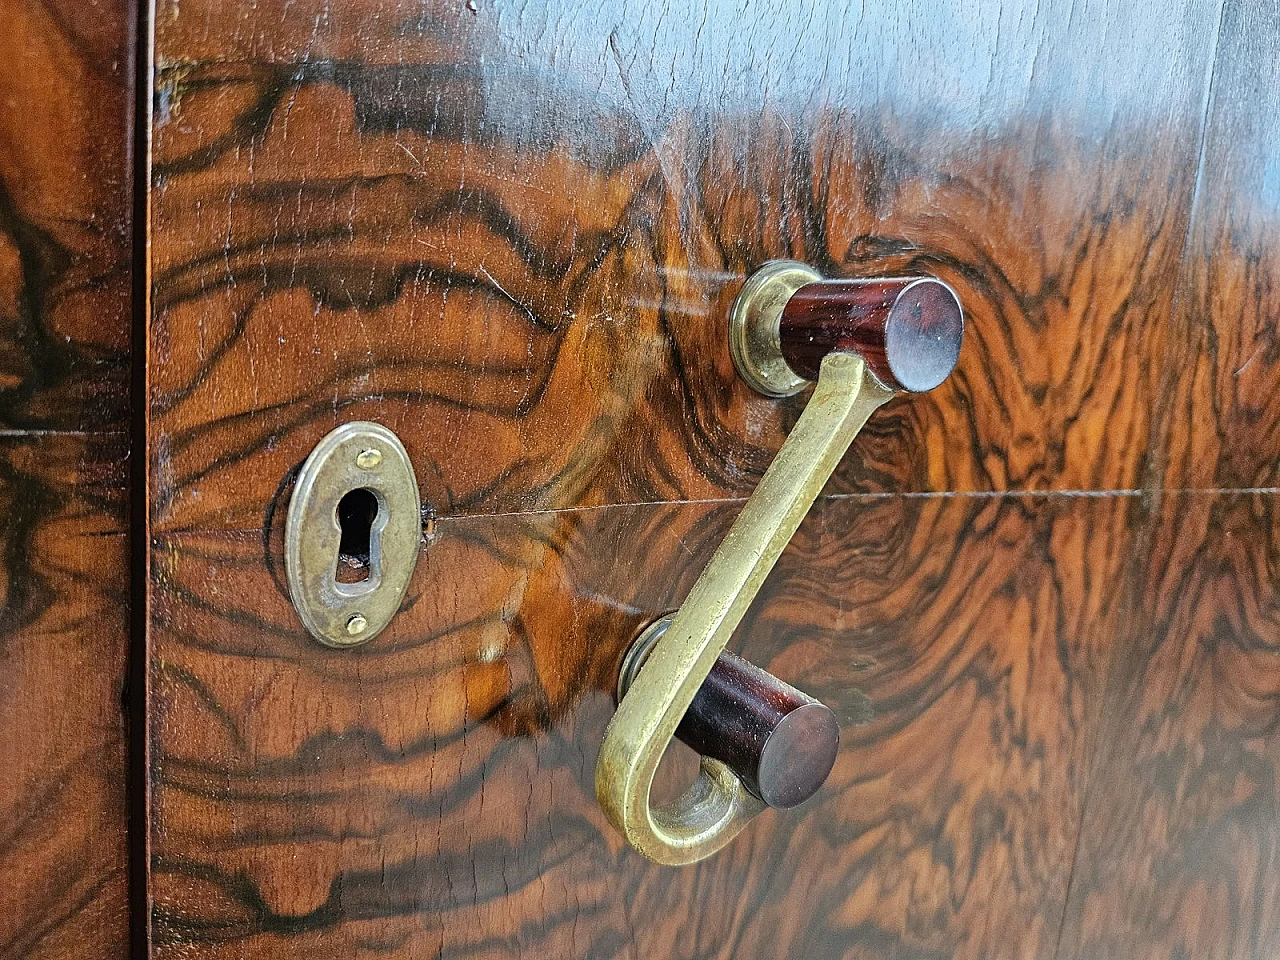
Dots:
pixel 755 327
pixel 638 653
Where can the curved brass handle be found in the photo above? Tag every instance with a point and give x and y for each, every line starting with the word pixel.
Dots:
pixel 718 805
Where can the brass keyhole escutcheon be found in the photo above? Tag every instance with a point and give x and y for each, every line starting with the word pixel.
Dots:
pixel 352 534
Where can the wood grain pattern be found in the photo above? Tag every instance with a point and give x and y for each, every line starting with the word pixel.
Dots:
pixel 65 194
pixel 511 232
pixel 63 638
pixel 432 794
pixel 66 104
pixel 1219 416
pixel 513 237
pixel 1179 855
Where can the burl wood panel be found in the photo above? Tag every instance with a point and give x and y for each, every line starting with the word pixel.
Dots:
pixel 1180 850
pixel 66 77
pixel 66 90
pixel 432 793
pixel 63 593
pixel 1220 405
pixel 512 233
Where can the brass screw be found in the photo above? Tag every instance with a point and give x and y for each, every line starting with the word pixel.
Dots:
pixel 357 625
pixel 368 459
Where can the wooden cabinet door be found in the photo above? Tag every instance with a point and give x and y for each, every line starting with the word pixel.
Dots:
pixel 1040 598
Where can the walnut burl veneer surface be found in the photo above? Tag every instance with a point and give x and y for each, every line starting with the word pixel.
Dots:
pixel 66 101
pixel 63 588
pixel 518 251
pixel 434 792
pixel 1040 598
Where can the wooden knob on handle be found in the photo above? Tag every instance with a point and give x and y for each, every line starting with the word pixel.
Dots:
pixel 787 318
pixel 908 330
pixel 780 742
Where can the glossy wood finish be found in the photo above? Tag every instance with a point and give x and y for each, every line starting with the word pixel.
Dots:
pixel 66 73
pixel 1179 852
pixel 1219 413
pixel 521 230
pixel 63 591
pixel 512 234
pixel 434 792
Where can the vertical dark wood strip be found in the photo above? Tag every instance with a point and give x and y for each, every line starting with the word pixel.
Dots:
pixel 139 672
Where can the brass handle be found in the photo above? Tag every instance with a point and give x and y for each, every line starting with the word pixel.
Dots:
pixel 907 335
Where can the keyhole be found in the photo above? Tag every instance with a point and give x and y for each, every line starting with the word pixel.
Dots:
pixel 357 511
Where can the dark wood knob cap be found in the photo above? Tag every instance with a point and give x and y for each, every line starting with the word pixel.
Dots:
pixel 780 742
pixel 908 330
